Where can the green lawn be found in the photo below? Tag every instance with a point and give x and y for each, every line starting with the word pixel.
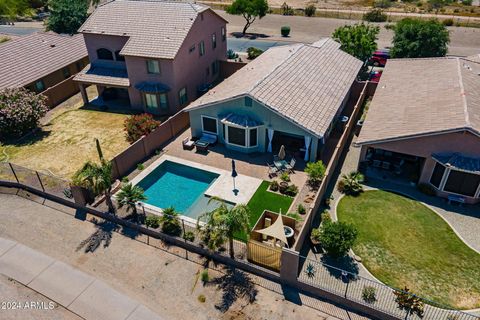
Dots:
pixel 403 243
pixel 266 200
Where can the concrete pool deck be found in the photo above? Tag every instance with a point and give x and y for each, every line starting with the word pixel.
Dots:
pixel 222 187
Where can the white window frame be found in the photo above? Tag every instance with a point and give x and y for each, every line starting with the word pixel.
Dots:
pixel 247 135
pixel 154 62
pixel 443 182
pixel 206 131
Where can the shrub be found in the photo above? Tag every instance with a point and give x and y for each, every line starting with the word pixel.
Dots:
pixel 294 216
pixel 274 186
pixel 351 184
pixel 337 238
pixel 315 235
pixel 369 294
pixel 409 302
pixel 426 189
pixel 140 166
pixel 139 125
pixel 204 276
pixel 201 298
pixel 315 171
pixel 231 54
pixel 292 190
pixel 152 222
pixel 189 236
pixel 253 52
pixel 301 209
pixel 310 10
pixel 170 222
pixel 20 111
pixel 283 187
pixel 285 177
pixel 375 15
pixel 287 10
pixel 326 217
pixel 285 31
pixel 448 22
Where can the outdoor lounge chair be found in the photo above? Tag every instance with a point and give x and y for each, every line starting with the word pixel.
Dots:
pixel 272 170
pixel 188 144
pixel 289 166
pixel 210 138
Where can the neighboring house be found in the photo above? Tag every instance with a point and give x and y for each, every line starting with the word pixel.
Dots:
pixel 426 115
pixel 43 63
pixel 157 55
pixel 290 95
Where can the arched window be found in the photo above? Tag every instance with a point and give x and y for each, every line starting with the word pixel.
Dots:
pixel 104 54
pixel 118 57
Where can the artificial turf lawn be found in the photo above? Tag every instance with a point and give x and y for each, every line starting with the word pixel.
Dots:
pixel 404 243
pixel 265 200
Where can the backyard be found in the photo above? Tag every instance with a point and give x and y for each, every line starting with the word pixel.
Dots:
pixel 66 139
pixel 404 243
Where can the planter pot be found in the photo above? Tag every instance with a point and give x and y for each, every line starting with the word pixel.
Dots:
pixel 314 241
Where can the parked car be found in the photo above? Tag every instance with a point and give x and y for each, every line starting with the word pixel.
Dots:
pixel 43 15
pixel 379 58
pixel 375 76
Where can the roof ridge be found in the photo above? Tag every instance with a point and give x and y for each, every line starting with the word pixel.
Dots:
pixel 462 92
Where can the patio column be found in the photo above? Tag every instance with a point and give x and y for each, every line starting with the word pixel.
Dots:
pixel 270 138
pixel 308 139
pixel 84 93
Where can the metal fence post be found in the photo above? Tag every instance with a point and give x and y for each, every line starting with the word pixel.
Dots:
pixel 13 171
pixel 40 180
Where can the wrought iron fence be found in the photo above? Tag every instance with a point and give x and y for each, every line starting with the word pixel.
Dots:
pixel 354 287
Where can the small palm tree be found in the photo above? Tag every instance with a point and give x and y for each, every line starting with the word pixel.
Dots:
pixel 211 233
pixel 351 183
pixel 171 222
pixel 128 196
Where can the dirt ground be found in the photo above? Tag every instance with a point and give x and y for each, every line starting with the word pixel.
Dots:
pixel 66 139
pixel 166 283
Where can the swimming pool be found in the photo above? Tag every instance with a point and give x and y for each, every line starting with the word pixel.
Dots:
pixel 173 184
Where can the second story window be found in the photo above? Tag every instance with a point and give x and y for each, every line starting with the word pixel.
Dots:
pixel 66 72
pixel 201 48
pixel 39 86
pixel 153 66
pixel 214 40
pixel 104 54
pixel 224 34
pixel 192 48
pixel 118 57
pixel 182 96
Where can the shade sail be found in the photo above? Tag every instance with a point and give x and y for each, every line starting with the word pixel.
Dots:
pixel 276 230
pixel 458 161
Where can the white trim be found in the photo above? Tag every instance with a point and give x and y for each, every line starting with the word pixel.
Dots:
pixel 210 117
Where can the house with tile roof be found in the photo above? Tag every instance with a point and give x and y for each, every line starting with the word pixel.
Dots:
pixel 290 95
pixel 43 62
pixel 158 55
pixel 423 125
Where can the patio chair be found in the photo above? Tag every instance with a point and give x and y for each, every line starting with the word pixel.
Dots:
pixel 272 170
pixel 188 144
pixel 289 166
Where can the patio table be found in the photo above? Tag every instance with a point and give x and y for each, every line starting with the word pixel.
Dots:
pixel 202 146
pixel 280 164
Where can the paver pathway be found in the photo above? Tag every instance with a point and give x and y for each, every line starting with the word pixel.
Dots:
pixel 78 292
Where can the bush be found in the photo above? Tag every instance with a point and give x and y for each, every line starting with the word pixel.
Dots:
pixel 315 171
pixel 152 222
pixel 20 111
pixel 326 217
pixel 301 209
pixel 369 294
pixel 201 298
pixel 315 235
pixel 287 10
pixel 189 236
pixel 337 238
pixel 448 22
pixel 375 15
pixel 283 187
pixel 285 31
pixel 231 54
pixel 204 276
pixel 170 222
pixel 426 189
pixel 253 52
pixel 310 10
pixel 285 177
pixel 139 125
pixel 351 184
pixel 274 186
pixel 292 190
pixel 294 216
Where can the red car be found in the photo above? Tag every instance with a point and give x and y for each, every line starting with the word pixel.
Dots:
pixel 375 76
pixel 379 58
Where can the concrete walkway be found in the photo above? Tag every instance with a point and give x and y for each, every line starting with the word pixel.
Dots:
pixel 78 292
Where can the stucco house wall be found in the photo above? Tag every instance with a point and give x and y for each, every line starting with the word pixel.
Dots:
pixel 257 112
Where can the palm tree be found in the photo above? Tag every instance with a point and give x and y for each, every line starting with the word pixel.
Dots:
pixel 351 183
pixel 171 222
pixel 211 232
pixel 128 196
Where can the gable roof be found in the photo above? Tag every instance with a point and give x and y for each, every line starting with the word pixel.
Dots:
pixel 417 97
pixel 28 58
pixel 305 84
pixel 155 28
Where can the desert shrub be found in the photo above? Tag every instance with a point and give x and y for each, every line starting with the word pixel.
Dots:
pixel 325 217
pixel 409 302
pixel 448 22
pixel 315 172
pixel 274 186
pixel 171 222
pixel 201 298
pixel 152 222
pixel 189 236
pixel 231 54
pixel 375 15
pixel 287 10
pixel 253 52
pixel 285 31
pixel 139 125
pixel 20 111
pixel 140 166
pixel 310 10
pixel 204 276
pixel 337 238
pixel 369 294
pixel 426 189
pixel 292 190
pixel 301 209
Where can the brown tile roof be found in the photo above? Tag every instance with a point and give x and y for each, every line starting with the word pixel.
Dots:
pixel 29 58
pixel 304 83
pixel 103 76
pixel 423 96
pixel 155 29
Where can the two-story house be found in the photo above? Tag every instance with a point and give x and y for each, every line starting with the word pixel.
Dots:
pixel 157 55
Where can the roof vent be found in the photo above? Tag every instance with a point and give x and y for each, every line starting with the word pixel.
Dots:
pixel 52 46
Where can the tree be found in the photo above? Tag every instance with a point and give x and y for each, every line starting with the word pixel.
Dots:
pixel 13 8
pixel 170 222
pixel 315 171
pixel 415 38
pixel 359 40
pixel 211 232
pixel 139 125
pixel 409 302
pixel 20 111
pixel 128 196
pixel 66 15
pixel 249 9
pixel 337 238
pixel 351 183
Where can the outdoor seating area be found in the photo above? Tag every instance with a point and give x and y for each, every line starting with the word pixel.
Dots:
pixel 274 232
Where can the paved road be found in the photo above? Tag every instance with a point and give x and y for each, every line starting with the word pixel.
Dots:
pixel 17 31
pixel 241 45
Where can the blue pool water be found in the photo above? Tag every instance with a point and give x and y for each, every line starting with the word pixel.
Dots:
pixel 172 184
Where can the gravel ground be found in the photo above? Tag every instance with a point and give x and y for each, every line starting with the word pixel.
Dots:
pixel 164 282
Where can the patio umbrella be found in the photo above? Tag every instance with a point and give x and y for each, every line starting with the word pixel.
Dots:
pixel 234 175
pixel 281 153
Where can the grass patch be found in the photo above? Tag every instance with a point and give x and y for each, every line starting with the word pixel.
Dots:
pixel 402 242
pixel 265 200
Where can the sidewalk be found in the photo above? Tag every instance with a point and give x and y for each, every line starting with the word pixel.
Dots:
pixel 78 292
